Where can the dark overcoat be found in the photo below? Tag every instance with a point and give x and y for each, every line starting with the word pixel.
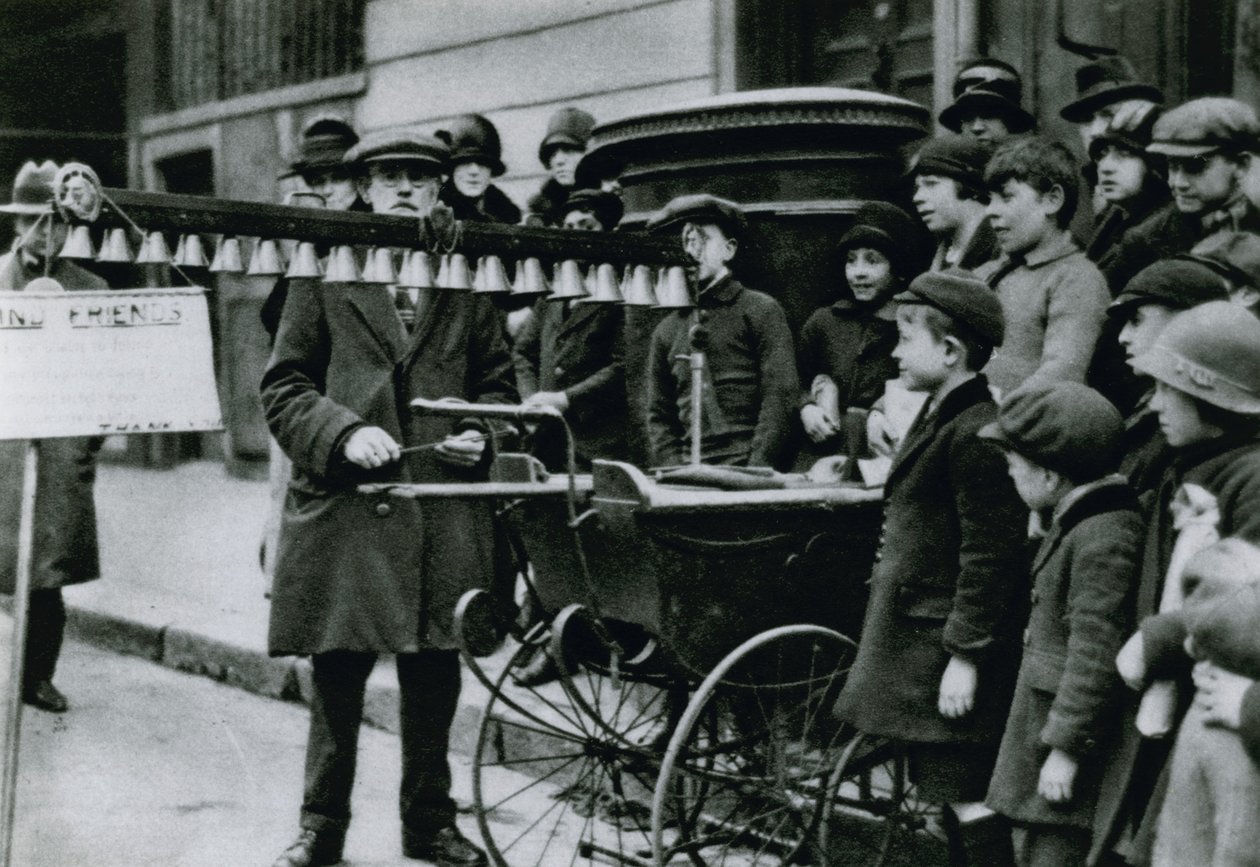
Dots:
pixel 1084 576
pixel 377 573
pixel 65 545
pixel 1229 468
pixel 950 579
pixel 578 349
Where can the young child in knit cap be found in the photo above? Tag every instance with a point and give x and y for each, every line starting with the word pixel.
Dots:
pixel 1062 444
pixel 1211 814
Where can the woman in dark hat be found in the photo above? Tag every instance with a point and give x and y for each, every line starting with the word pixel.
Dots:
pixel 476 158
pixel 1131 183
pixel 325 140
pixel 568 133
pixel 845 350
pixel 989 111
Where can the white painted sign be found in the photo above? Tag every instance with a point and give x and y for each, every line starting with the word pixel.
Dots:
pixel 106 362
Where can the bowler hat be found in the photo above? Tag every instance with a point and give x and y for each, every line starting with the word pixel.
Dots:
pixel 32 189
pixel 473 138
pixel 568 127
pixel 1205 125
pixel 1062 426
pixel 1234 255
pixel 401 144
pixel 1104 82
pixel 961 157
pixel 1211 352
pixel 966 300
pixel 701 208
pixel 325 140
pixel 1176 283
pixel 607 207
pixel 986 100
pixel 989 71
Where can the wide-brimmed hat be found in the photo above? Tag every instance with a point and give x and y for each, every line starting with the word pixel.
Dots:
pixel 474 139
pixel 1104 82
pixel 986 100
pixel 324 142
pixel 1211 352
pixel 989 72
pixel 32 189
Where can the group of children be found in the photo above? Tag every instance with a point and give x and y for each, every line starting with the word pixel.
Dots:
pixel 1092 700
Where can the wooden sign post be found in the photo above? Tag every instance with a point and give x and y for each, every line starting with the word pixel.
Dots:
pixel 90 364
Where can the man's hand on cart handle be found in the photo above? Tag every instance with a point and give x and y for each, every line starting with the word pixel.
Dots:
pixel 462 449
pixel 370 447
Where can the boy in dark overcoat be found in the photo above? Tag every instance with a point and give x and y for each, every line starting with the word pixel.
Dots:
pixel 1062 442
pixel 1206 367
pixel 939 648
pixel 361 575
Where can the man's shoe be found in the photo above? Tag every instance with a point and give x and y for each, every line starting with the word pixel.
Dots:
pixel 446 848
pixel 45 696
pixel 313 849
pixel 540 670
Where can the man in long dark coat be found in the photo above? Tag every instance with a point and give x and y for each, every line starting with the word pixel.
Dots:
pixel 65 513
pixel 363 575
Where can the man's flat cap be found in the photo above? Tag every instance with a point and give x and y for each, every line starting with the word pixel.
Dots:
pixel 1062 426
pixel 966 300
pixel 401 144
pixel 1205 125
pixel 1175 283
pixel 1235 255
pixel 701 208
pixel 1104 82
pixel 607 207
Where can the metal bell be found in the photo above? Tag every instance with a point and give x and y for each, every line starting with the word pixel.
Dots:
pixel 568 283
pixel 154 250
pixel 266 260
pixel 78 244
pixel 459 274
pixel 189 252
pixel 492 276
pixel 304 262
pixel 227 259
pixel 479 276
pixel 416 271
pixel 606 289
pixel 638 289
pixel 114 247
pixel 341 266
pixel 379 267
pixel 444 271
pixel 530 279
pixel 672 292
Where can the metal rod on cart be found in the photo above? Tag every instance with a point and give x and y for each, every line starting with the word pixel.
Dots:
pixel 697 403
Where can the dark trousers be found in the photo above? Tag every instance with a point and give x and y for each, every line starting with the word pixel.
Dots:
pixel 428 686
pixel 45 630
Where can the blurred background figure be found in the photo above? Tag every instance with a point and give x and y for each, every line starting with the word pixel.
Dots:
pixel 562 147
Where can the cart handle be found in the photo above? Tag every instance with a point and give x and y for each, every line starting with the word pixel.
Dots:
pixel 452 407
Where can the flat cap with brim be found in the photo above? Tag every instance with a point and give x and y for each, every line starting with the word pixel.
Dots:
pixel 607 207
pixel 1062 426
pixel 1206 125
pixel 1211 352
pixel 980 101
pixel 1104 82
pixel 32 189
pixel 1175 283
pixel 1234 255
pixel 966 300
pixel 401 144
pixel 701 208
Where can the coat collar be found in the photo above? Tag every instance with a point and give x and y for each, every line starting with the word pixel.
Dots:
pixel 724 291
pixel 375 303
pixel 1061 248
pixel 970 393
pixel 1107 494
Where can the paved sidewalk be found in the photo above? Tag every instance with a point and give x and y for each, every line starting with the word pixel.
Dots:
pixel 182 586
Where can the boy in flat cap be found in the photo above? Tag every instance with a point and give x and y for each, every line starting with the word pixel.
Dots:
pixel 1207 143
pixel 1235 256
pixel 1053 298
pixel 65 544
pixel 361 575
pixel 750 384
pixel 939 649
pixel 950 198
pixel 564 143
pixel 845 351
pixel 1062 443
pixel 476 159
pixel 1137 316
pixel 1206 367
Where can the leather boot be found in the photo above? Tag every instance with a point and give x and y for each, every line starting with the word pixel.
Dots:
pixel 313 849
